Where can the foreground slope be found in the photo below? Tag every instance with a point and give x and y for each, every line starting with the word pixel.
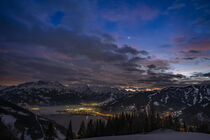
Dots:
pixel 159 135
pixel 15 119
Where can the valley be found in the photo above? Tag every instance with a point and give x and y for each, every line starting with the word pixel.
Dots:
pixel 55 102
pixel 77 113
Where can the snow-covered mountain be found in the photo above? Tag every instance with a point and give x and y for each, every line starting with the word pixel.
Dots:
pixel 2 87
pixel 54 93
pixel 15 119
pixel 190 101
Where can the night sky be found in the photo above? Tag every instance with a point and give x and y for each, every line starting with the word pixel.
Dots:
pixel 119 43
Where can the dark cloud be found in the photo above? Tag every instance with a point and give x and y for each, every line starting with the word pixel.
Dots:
pixel 143 52
pixel 132 65
pixel 41 51
pixel 196 75
pixel 37 43
pixel 194 51
pixel 189 58
pixel 162 79
pixel 127 49
pixel 152 66
pixel 207 74
pixel 68 42
pixel 104 36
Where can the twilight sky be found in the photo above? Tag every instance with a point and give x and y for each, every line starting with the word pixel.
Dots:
pixel 122 43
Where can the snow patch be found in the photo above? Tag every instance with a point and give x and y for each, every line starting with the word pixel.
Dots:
pixel 60 135
pixel 27 137
pixel 208 91
pixel 204 105
pixel 166 99
pixel 156 103
pixel 23 114
pixel 194 100
pixel 8 120
pixel 150 97
pixel 200 116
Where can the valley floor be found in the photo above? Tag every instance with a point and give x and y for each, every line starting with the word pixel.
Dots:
pixel 158 135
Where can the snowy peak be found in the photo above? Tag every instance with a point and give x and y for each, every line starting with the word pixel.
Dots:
pixel 2 87
pixel 188 101
pixel 190 95
pixel 80 88
pixel 41 84
pixel 54 93
pixel 86 89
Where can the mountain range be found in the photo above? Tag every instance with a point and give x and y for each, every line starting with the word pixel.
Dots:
pixel 192 101
pixel 54 93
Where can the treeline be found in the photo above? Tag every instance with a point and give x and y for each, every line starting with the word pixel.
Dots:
pixel 131 123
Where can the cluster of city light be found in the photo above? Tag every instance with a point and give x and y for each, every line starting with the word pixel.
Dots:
pixel 34 108
pixel 80 109
pixel 87 110
pixel 151 89
pixel 91 104
pixel 103 114
pixel 135 89
pixel 174 113
pixel 83 109
pixel 130 89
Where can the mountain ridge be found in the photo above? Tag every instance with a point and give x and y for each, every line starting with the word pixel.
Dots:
pixel 185 101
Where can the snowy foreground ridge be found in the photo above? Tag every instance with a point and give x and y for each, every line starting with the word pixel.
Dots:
pixel 159 135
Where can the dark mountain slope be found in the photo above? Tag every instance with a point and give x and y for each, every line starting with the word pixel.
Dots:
pixel 16 119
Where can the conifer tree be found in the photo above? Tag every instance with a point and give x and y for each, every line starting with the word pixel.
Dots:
pixel 176 124
pixel 109 127
pixel 23 134
pixel 82 130
pixel 90 129
pixel 101 127
pixel 152 119
pixel 69 135
pixel 158 121
pixel 203 127
pixel 50 132
pixel 146 124
pixel 185 127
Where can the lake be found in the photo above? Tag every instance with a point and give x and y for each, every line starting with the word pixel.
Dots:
pixel 76 113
